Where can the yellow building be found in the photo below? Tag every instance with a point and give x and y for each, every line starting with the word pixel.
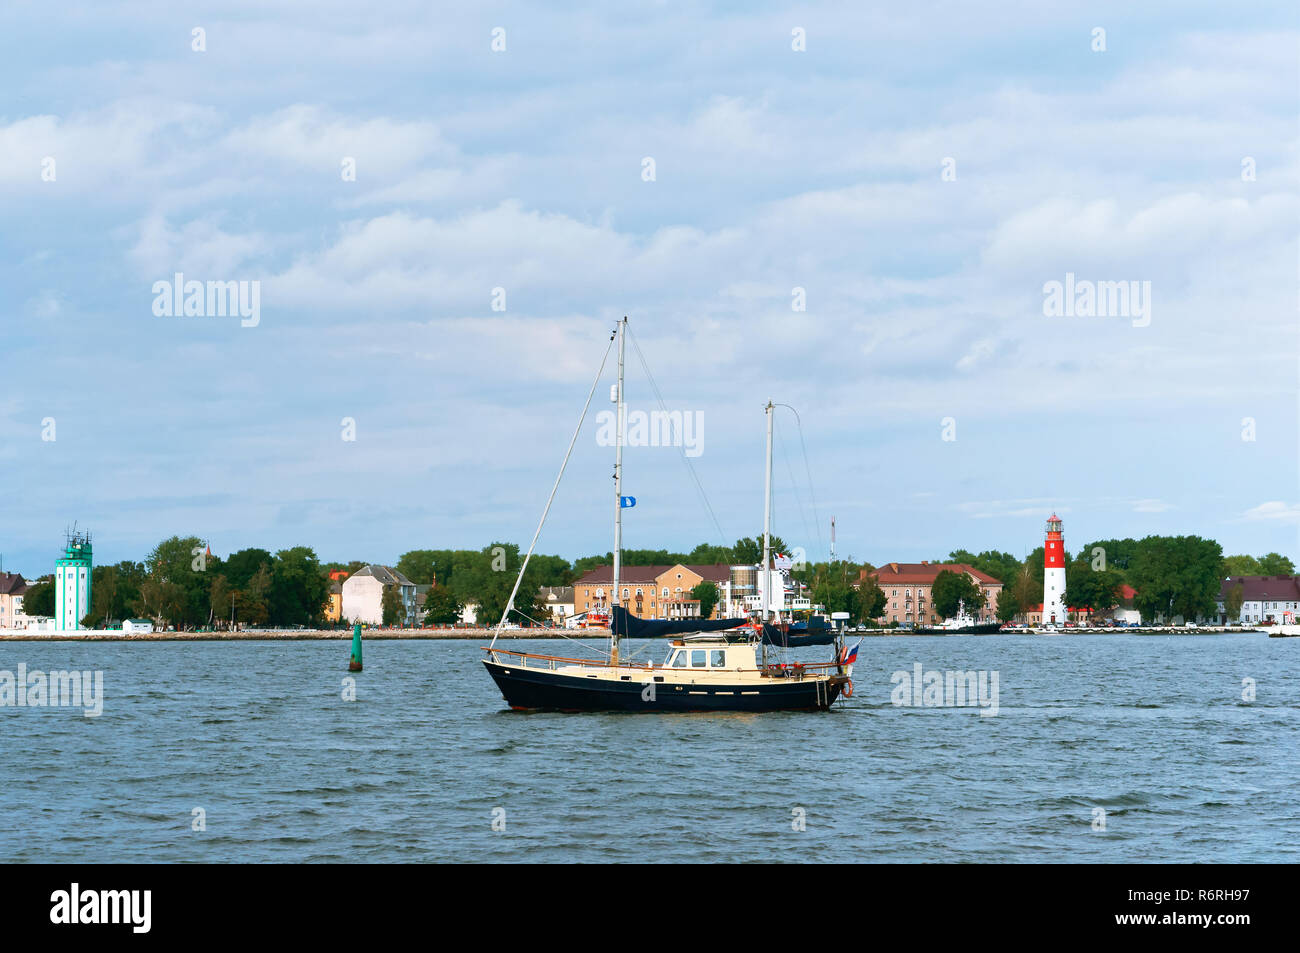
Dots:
pixel 649 592
pixel 334 611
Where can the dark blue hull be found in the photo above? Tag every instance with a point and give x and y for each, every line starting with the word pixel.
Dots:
pixel 526 689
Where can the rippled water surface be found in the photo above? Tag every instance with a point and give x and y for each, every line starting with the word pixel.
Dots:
pixel 1153 730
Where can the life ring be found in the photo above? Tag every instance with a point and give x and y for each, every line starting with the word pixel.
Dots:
pixel 848 688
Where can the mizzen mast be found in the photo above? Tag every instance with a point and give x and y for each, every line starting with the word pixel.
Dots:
pixel 767 521
pixel 620 418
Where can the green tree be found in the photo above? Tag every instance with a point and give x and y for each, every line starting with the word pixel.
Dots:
pixel 1176 576
pixel 487 582
pixel 1118 553
pixel 221 599
pixel 175 589
pixel 240 568
pixel 950 590
pixel 1240 566
pixel 1035 563
pixel 871 600
pixel 707 554
pixel 252 603
pixel 1003 567
pixel 551 570
pixel 749 551
pixel 1088 588
pixel 419 566
pixel 441 606
pixel 1008 605
pixel 1275 564
pixel 39 599
pixel 707 593
pixel 1026 590
pixel 115 590
pixel 391 602
pixel 1232 600
pixel 835 585
pixel 299 587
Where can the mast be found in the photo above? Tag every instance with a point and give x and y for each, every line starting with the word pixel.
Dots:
pixel 767 520
pixel 618 494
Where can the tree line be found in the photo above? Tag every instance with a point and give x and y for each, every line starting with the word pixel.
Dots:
pixel 181 584
pixel 1172 575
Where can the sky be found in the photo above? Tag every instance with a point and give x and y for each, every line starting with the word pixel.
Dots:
pixel 851 211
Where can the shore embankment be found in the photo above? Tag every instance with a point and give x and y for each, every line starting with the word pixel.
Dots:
pixel 253 635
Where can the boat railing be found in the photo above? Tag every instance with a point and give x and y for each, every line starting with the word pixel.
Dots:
pixel 551 660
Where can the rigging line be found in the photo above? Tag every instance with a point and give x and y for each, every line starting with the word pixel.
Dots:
pixel 510 603
pixel 794 486
pixel 704 497
pixel 808 469
pixel 577 642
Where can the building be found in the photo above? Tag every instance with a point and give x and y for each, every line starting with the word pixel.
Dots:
pixel 559 600
pixel 362 595
pixel 1034 614
pixel 334 610
pixel 1263 598
pixel 651 592
pixel 1126 611
pixel 907 591
pixel 12 589
pixel 72 574
pixel 136 626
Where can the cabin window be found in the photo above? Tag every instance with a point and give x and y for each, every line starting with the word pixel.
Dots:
pixel 698 658
pixel 679 659
pixel 718 658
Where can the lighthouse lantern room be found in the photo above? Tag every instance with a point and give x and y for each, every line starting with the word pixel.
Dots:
pixel 1054 573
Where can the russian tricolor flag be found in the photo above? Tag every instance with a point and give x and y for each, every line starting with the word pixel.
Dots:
pixel 849 655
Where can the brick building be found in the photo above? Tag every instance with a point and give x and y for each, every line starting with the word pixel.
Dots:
pixel 650 592
pixel 907 591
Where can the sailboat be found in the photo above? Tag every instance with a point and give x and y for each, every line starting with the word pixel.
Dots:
pixel 712 665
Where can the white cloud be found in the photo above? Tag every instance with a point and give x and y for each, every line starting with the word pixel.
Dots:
pixel 1274 511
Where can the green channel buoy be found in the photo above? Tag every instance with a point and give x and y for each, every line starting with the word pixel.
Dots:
pixel 354 664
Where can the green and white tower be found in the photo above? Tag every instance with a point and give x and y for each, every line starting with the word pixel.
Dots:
pixel 72 583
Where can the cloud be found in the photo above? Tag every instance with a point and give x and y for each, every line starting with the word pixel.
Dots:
pixel 308 137
pixel 1274 511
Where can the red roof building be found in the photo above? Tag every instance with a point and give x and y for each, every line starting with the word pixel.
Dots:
pixel 907 591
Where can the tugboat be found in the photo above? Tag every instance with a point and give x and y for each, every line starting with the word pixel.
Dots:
pixel 960 624
pixel 712 665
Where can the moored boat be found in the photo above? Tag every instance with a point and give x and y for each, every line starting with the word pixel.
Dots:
pixel 963 623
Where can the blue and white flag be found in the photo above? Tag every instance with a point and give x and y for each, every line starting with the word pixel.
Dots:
pixel 626 501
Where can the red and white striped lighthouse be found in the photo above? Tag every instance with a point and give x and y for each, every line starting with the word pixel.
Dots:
pixel 1054 573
